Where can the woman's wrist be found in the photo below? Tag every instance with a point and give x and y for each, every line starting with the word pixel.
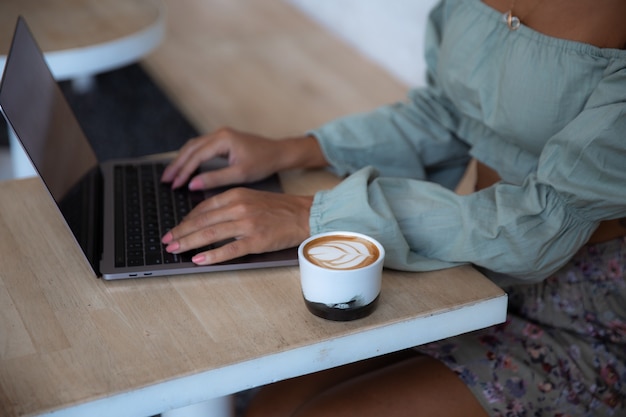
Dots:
pixel 302 152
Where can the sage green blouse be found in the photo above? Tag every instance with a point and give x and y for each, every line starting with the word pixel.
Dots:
pixel 549 115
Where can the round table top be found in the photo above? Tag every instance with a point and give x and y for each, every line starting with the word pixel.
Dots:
pixel 84 37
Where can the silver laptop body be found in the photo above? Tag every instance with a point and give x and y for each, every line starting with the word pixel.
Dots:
pixel 83 188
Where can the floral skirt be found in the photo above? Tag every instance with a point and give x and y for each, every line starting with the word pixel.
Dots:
pixel 562 350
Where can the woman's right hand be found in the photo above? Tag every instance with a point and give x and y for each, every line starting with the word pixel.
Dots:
pixel 250 158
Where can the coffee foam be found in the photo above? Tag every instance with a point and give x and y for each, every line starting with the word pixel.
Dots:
pixel 341 252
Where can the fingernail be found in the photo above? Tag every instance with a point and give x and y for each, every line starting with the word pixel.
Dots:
pixel 195 184
pixel 167 238
pixel 172 247
pixel 198 259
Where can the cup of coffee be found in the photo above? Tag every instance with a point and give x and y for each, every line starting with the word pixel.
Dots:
pixel 341 274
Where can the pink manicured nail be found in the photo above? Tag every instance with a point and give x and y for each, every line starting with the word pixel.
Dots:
pixel 167 238
pixel 198 259
pixel 173 247
pixel 195 184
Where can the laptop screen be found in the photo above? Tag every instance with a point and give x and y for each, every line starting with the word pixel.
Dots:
pixel 36 109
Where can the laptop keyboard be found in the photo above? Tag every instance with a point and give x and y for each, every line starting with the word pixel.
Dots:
pixel 146 210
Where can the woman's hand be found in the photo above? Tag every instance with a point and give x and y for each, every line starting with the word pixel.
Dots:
pixel 250 158
pixel 257 221
pixel 251 221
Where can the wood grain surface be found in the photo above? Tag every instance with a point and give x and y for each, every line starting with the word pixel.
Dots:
pixel 66 24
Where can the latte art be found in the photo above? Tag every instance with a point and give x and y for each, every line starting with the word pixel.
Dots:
pixel 341 274
pixel 341 252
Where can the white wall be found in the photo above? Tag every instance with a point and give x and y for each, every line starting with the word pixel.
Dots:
pixel 390 32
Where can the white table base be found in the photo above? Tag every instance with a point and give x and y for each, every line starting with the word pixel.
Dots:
pixel 22 167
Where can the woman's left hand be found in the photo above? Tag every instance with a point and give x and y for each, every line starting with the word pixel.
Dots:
pixel 255 222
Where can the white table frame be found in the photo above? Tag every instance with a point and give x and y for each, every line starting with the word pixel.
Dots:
pixel 212 389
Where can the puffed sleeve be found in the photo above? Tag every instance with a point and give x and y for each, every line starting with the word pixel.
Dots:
pixel 411 139
pixel 525 231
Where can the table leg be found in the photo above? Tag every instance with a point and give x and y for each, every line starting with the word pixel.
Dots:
pixel 22 167
pixel 217 407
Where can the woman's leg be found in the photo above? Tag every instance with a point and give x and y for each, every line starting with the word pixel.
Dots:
pixel 406 384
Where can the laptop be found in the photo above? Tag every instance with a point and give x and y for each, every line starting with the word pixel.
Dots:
pixel 116 210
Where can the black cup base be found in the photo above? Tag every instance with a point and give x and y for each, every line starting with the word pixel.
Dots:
pixel 341 314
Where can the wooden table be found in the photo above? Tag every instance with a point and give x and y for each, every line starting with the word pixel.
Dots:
pixel 81 39
pixel 73 345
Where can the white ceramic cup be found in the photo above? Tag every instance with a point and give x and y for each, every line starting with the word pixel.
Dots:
pixel 341 274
